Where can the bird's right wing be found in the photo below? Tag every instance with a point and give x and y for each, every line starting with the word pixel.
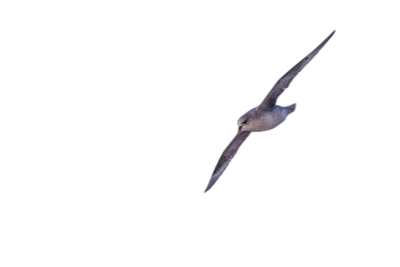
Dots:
pixel 226 157
pixel 285 81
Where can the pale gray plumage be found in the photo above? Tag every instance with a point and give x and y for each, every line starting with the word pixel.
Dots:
pixel 264 117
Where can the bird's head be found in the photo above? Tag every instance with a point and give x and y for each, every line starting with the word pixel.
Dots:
pixel 244 123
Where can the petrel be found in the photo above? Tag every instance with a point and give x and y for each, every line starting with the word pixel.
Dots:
pixel 265 117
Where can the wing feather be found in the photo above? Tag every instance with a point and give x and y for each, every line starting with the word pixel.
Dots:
pixel 226 157
pixel 285 81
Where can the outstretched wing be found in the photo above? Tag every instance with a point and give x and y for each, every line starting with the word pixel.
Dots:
pixel 226 157
pixel 285 81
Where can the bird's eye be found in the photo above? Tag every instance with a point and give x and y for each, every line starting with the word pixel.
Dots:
pixel 245 122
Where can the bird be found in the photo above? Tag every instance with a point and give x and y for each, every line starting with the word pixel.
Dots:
pixel 265 117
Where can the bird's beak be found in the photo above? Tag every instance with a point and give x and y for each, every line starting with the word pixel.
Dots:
pixel 240 129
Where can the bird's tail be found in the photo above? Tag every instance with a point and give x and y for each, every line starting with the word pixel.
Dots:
pixel 290 109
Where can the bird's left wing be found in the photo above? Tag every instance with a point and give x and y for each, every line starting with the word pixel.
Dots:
pixel 285 81
pixel 226 157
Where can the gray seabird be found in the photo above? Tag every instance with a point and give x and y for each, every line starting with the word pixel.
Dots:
pixel 264 117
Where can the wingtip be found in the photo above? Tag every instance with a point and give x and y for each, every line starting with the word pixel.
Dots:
pixel 208 188
pixel 210 184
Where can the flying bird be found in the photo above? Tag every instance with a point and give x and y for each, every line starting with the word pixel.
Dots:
pixel 265 117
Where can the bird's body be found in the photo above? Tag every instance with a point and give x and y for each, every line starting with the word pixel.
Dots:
pixel 265 117
pixel 263 120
